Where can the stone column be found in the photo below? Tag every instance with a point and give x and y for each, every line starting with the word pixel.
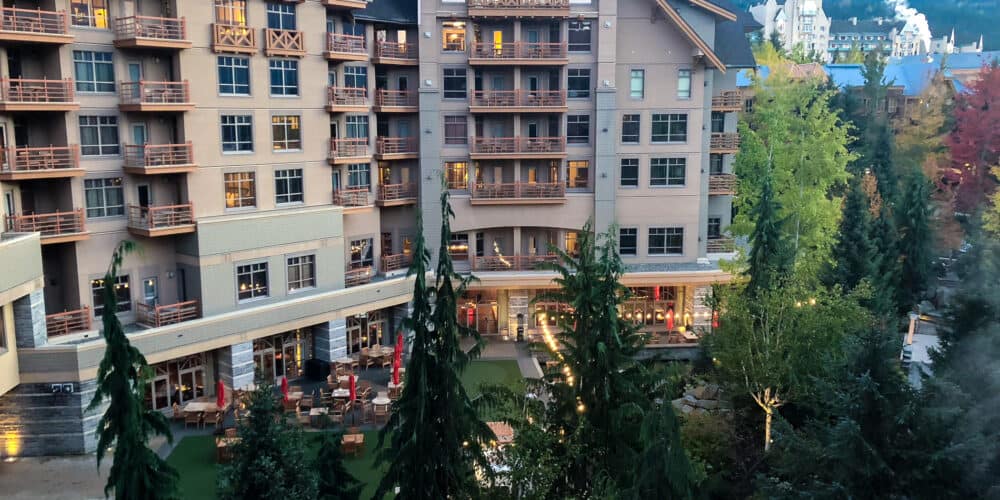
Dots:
pixel 235 367
pixel 29 320
pixel 330 340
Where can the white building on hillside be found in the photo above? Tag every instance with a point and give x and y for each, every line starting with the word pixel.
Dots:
pixel 796 22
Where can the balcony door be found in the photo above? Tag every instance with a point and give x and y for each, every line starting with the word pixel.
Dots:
pixel 140 138
pixel 403 83
pixel 135 75
pixel 150 289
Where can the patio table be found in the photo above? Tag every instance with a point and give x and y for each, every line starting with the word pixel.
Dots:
pixel 343 361
pixel 295 396
pixel 395 386
pixel 341 393
pixel 200 407
pixel 381 401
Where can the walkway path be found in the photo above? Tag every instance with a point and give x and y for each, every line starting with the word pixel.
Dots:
pixel 498 349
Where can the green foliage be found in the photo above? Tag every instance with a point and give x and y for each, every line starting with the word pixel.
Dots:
pixel 662 469
pixel 853 56
pixel 127 424
pixel 334 481
pixel 855 253
pixel 914 238
pixel 767 264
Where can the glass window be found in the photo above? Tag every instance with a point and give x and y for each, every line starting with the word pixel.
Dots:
pixel 572 243
pixel 361 253
pixel 667 171
pixel 284 76
pixel 578 174
pixel 286 133
pixel 356 77
pixel 93 13
pixel 458 247
pixel 578 129
pixel 99 136
pixel 123 299
pixel 578 83
pixel 455 83
pixel 684 84
pixel 714 227
pixel 359 175
pixel 628 241
pixel 630 129
pixel 457 174
pixel 281 16
pixel 241 189
pixel 234 75
pixel 666 240
pixel 629 176
pixel 718 122
pixel 637 84
pixel 301 272
pixel 357 126
pixel 715 164
pixel 453 36
pixel 237 133
pixel 231 12
pixel 456 130
pixel 288 186
pixel 94 71
pixel 579 36
pixel 669 127
pixel 105 197
pixel 251 281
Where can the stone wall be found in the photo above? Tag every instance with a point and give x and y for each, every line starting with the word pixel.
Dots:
pixel 36 421
pixel 29 320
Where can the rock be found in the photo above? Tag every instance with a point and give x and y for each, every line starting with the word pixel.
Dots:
pixel 708 404
pixel 711 391
pixel 699 392
pixel 685 409
pixel 677 403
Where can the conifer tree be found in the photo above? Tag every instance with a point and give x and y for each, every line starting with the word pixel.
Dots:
pixel 663 469
pixel 855 253
pixel 768 259
pixel 915 234
pixel 334 481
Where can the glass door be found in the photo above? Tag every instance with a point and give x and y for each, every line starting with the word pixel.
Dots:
pixel 135 75
pixel 264 362
pixel 149 291
pixel 161 392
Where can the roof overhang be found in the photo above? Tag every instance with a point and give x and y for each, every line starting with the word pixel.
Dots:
pixel 715 9
pixel 691 35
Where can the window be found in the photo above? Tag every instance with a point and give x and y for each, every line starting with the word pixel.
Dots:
pixel 630 129
pixel 288 186
pixel 629 176
pixel 241 189
pixel 93 13
pixel 718 122
pixel 359 175
pixel 714 228
pixel 579 36
pixel 578 129
pixel 666 240
pixel 99 136
pixel 458 247
pixel 480 244
pixel 237 133
pixel 105 197
pixel 356 77
pixel 748 106
pixel 715 164
pixel 684 84
pixel 361 253
pixel 628 241
pixel 572 243
pixel 231 12
pixel 357 127
pixel 456 130
pixel 94 71
pixel 457 174
pixel 123 300
pixel 281 16
pixel 455 83
pixel 578 84
pixel 453 36
pixel 667 171
pixel 251 281
pixel 284 77
pixel 286 134
pixel 301 272
pixel 234 75
pixel 577 174
pixel 637 84
pixel 669 127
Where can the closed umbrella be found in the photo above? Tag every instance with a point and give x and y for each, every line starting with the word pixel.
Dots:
pixel 395 371
pixel 220 394
pixel 284 388
pixel 670 319
pixel 354 389
pixel 399 344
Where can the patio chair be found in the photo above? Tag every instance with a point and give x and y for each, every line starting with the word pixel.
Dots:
pixel 336 416
pixel 303 419
pixel 213 418
pixel 178 415
pixel 395 392
pixel 354 364
pixel 346 384
pixel 231 432
pixel 306 403
pixel 291 406
pixel 381 414
pixel 192 418
pixel 386 361
pixel 366 361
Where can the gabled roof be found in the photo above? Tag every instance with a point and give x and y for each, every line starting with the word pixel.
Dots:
pixel 691 34
pixel 731 44
pixel 864 26
pixel 720 8
pixel 388 11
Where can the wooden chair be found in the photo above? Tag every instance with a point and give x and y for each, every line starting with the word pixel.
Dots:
pixel 307 402
pixel 291 406
pixel 336 416
pixel 381 414
pixel 345 384
pixel 178 415
pixel 192 418
pixel 395 392
pixel 213 418
pixel 386 361
pixel 354 364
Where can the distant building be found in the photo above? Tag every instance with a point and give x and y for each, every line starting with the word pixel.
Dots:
pixel 796 22
pixel 895 38
pixel 948 45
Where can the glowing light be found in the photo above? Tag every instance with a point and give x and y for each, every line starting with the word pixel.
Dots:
pixel 12 444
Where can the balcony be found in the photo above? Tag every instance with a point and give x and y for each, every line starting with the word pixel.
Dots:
pixel 170 314
pixel 391 195
pixel 34 26
pixel 20 94
pixel 21 163
pixel 519 193
pixel 499 148
pixel 518 101
pixel 163 220
pixel 395 53
pixel 146 32
pixel 358 276
pixel 512 263
pixel 720 245
pixel 518 8
pixel 154 159
pixel 396 262
pixel 283 43
pixel 233 38
pixel 347 100
pixel 396 148
pixel 728 101
pixel 351 197
pixel 68 322
pixel 724 143
pixel 722 184
pixel 345 4
pixel 55 227
pixel 343 47
pixel 396 101
pixel 345 151
pixel 519 53
pixel 160 97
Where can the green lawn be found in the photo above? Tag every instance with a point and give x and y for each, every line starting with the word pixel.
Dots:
pixel 503 372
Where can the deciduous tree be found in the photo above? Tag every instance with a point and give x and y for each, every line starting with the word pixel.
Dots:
pixel 975 141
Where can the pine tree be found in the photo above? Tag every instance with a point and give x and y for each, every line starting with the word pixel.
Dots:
pixel 768 261
pixel 127 424
pixel 335 483
pixel 855 252
pixel 914 238
pixel 663 469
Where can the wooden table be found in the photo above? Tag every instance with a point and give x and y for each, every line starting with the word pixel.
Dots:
pixel 295 396
pixel 341 393
pixel 322 410
pixel 343 361
pixel 200 407
pixel 381 401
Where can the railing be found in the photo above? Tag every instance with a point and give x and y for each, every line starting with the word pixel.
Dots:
pixel 512 145
pixel 518 50
pixel 68 322
pixel 145 92
pixel 347 96
pixel 349 148
pixel 397 261
pixel 233 37
pixel 283 42
pixel 729 99
pixel 720 245
pixel 396 50
pixel 519 190
pixel 346 44
pixel 159 155
pixel 161 217
pixel 36 91
pixel 34 21
pixel 397 98
pixel 49 224
pixel 157 316
pixel 395 192
pixel 518 98
pixel 395 145
pixel 358 276
pixel 17 160
pixel 727 141
pixel 518 4
pixel 157 28
pixel 721 184
pixel 511 263
pixel 351 197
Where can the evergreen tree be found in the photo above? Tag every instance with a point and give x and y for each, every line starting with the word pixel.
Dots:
pixel 127 424
pixel 663 469
pixel 887 266
pixel 269 459
pixel 335 483
pixel 914 239
pixel 855 252
pixel 767 263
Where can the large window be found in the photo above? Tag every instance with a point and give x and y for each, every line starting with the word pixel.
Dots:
pixel 301 272
pixel 577 174
pixel 684 84
pixel 99 136
pixel 667 171
pixel 456 130
pixel 357 126
pixel 94 71
pixel 715 164
pixel 629 176
pixel 237 133
pixel 637 84
pixel 628 241
pixel 361 253
pixel 458 246
pixel 455 83
pixel 288 186
pixel 630 129
pixel 356 77
pixel 359 175
pixel 281 16
pixel 286 133
pixel 670 127
pixel 231 12
pixel 457 174
pixel 105 197
pixel 241 189
pixel 234 75
pixel 666 240
pixel 284 77
pixel 123 300
pixel 579 36
pixel 453 36
pixel 578 129
pixel 93 13
pixel 251 281
pixel 578 83
pixel 714 228
pixel 718 122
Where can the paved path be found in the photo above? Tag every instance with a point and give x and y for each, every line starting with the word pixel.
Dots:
pixel 498 349
pixel 73 477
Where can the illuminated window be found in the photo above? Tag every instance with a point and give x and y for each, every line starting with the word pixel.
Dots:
pixel 251 281
pixel 123 300
pixel 572 243
pixel 231 12
pixel 241 189
pixel 362 253
pixel 453 36
pixel 577 174
pixel 93 13
pixel 458 247
pixel 286 134
pixel 457 174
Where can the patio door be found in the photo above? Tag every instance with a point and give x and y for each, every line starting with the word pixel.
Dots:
pixel 192 384
pixel 160 392
pixel 144 196
pixel 264 361
pixel 140 138
pixel 404 83
pixel 150 291
pixel 135 75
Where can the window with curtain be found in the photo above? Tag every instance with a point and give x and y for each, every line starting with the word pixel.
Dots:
pixel 456 130
pixel 241 189
pixel 684 84
pixel 286 134
pixel 637 84
pixel 105 197
pixel 301 272
pixel 251 281
pixel 359 175
pixel 357 126
pixel 231 12
pixel 92 13
pixel 94 71
pixel 577 174
pixel 99 136
pixel 457 174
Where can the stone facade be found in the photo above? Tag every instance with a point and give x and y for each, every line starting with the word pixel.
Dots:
pixel 29 320
pixel 330 340
pixel 235 365
pixel 35 420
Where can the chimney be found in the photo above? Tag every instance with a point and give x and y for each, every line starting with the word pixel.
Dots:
pixel 854 21
pixel 878 20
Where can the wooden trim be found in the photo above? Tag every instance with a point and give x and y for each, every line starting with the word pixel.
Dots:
pixel 692 35
pixel 715 9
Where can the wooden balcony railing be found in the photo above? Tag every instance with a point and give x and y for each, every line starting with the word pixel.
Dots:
pixel 512 7
pixel 159 155
pixel 511 263
pixel 160 217
pixel 396 98
pixel 396 192
pixel 518 98
pixel 155 93
pixel 169 314
pixel 161 29
pixel 51 224
pixel 518 50
pixel 396 261
pixel 34 22
pixel 358 276
pixel 721 184
pixel 725 142
pixel 720 245
pixel 518 145
pixel 283 43
pixel 68 322
pixel 346 97
pixel 341 43
pixel 24 160
pixel 349 148
pixel 396 145
pixel 519 190
pixel 351 197
pixel 729 100
pixel 233 38
pixel 22 90
pixel 396 50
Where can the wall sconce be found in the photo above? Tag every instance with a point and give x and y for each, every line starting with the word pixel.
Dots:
pixel 607 24
pixel 427 34
pixel 428 83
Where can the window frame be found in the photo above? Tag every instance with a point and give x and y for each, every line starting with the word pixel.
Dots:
pixel 104 209
pixel 304 261
pixel 667 179
pixel 97 290
pixel 667 233
pixel 669 122
pixel 571 179
pixel 102 124
pixel 718 227
pixel 364 260
pixel 285 180
pixel 577 121
pixel 638 128
pixel 235 180
pixel 452 172
pixel 453 140
pixel 254 268
pixel 452 27
pixel 583 74
pixel 579 46
pixel 287 70
pixel 458 75
pixel 642 84
pixel 282 11
pixel 634 181
pixel 635 235
pixel 237 125
pixel 92 20
pixel 288 125
pixel 357 172
pixel 682 75
pixel 227 63
pixel 81 82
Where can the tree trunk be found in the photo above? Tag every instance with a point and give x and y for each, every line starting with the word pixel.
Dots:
pixel 767 430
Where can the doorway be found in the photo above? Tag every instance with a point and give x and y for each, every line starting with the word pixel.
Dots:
pixel 403 83
pixel 149 291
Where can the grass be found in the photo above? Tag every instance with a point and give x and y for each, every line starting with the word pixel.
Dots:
pixel 504 372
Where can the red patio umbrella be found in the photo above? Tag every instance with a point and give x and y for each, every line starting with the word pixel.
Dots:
pixel 354 389
pixel 670 319
pixel 395 371
pixel 220 394
pixel 399 345
pixel 284 388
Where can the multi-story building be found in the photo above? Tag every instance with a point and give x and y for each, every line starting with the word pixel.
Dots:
pixel 950 45
pixel 797 23
pixel 892 38
pixel 151 120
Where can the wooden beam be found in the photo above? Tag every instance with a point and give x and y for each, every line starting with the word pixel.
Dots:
pixel 715 9
pixel 692 35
